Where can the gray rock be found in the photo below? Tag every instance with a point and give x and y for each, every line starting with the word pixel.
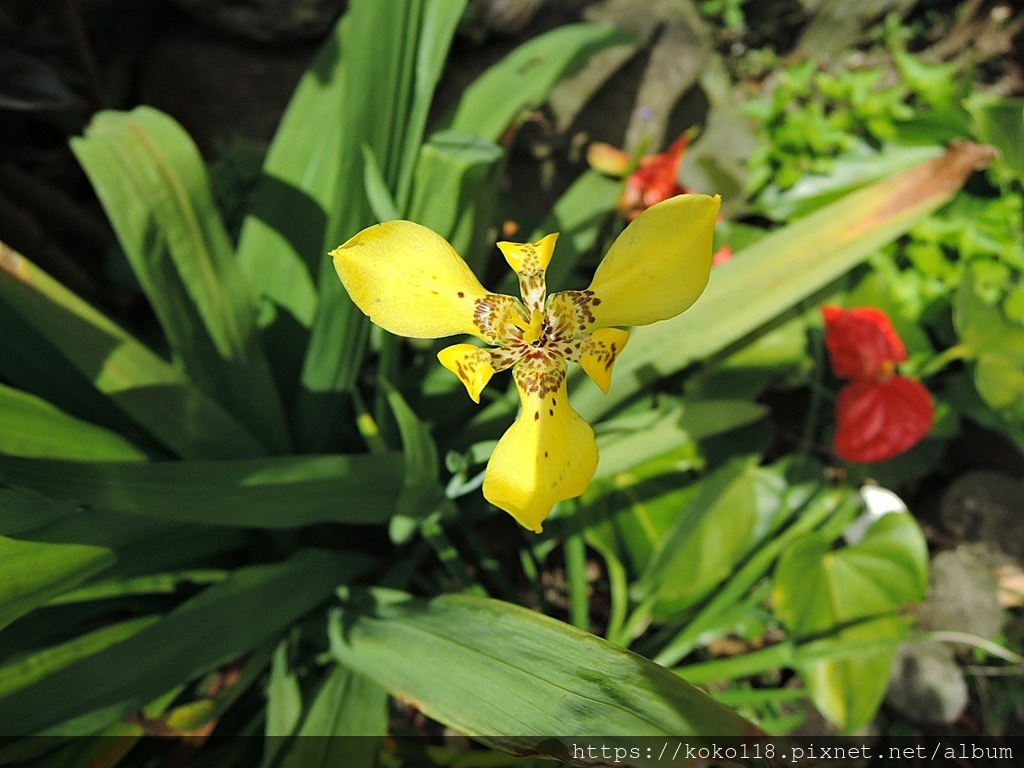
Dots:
pixel 986 506
pixel 963 594
pixel 926 683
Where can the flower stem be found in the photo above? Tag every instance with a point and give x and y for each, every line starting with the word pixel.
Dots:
pixel 941 360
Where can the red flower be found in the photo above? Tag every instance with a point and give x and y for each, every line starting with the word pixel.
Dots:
pixel 879 414
pixel 655 180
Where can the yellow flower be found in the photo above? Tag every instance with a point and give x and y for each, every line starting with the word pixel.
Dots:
pixel 411 282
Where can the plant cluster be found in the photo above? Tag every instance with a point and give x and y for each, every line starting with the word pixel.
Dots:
pixel 283 520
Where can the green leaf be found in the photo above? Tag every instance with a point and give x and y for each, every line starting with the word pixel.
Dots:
pixel 710 537
pixel 818 589
pixel 402 54
pixel 521 81
pixel 769 277
pixel 36 571
pixel 284 697
pixel 32 427
pixel 347 704
pixel 226 620
pixel 453 190
pixel 849 172
pixel 27 670
pixel 512 677
pixel 421 493
pixel 283 238
pixel 848 690
pixel 1001 124
pixel 153 393
pixel 21 510
pixel 153 185
pixel 284 492
pixel 627 441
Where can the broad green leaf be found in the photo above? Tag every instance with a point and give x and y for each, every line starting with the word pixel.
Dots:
pixel 284 492
pixel 153 393
pixel 849 690
pixel 500 97
pixel 153 185
pixel 221 623
pixel 32 427
pixel 818 589
pixel 512 677
pixel 769 277
pixel 45 561
pixel 36 571
pixel 628 441
pixel 710 537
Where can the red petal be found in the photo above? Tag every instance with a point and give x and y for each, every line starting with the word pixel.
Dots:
pixel 879 420
pixel 861 341
pixel 654 181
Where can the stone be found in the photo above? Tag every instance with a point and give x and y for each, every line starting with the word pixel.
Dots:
pixel 926 684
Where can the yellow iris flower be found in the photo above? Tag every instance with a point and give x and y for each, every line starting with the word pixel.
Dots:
pixel 411 282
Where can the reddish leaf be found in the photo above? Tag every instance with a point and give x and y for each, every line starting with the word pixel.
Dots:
pixel 878 419
pixel 861 342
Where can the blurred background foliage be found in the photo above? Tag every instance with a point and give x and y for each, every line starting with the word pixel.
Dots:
pixel 229 506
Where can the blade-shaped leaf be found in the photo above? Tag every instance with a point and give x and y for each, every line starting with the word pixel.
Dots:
pixel 514 677
pixel 153 393
pixel 285 492
pixel 36 571
pixel 33 427
pixel 152 182
pixel 522 80
pixel 402 54
pixel 221 623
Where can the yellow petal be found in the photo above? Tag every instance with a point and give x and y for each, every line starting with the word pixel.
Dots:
pixel 410 281
pixel 529 260
pixel 658 266
pixel 598 353
pixel 548 455
pixel 471 364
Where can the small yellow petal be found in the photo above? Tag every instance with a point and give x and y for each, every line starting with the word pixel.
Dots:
pixel 410 281
pixel 529 258
pixel 471 364
pixel 598 353
pixel 658 266
pixel 549 454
